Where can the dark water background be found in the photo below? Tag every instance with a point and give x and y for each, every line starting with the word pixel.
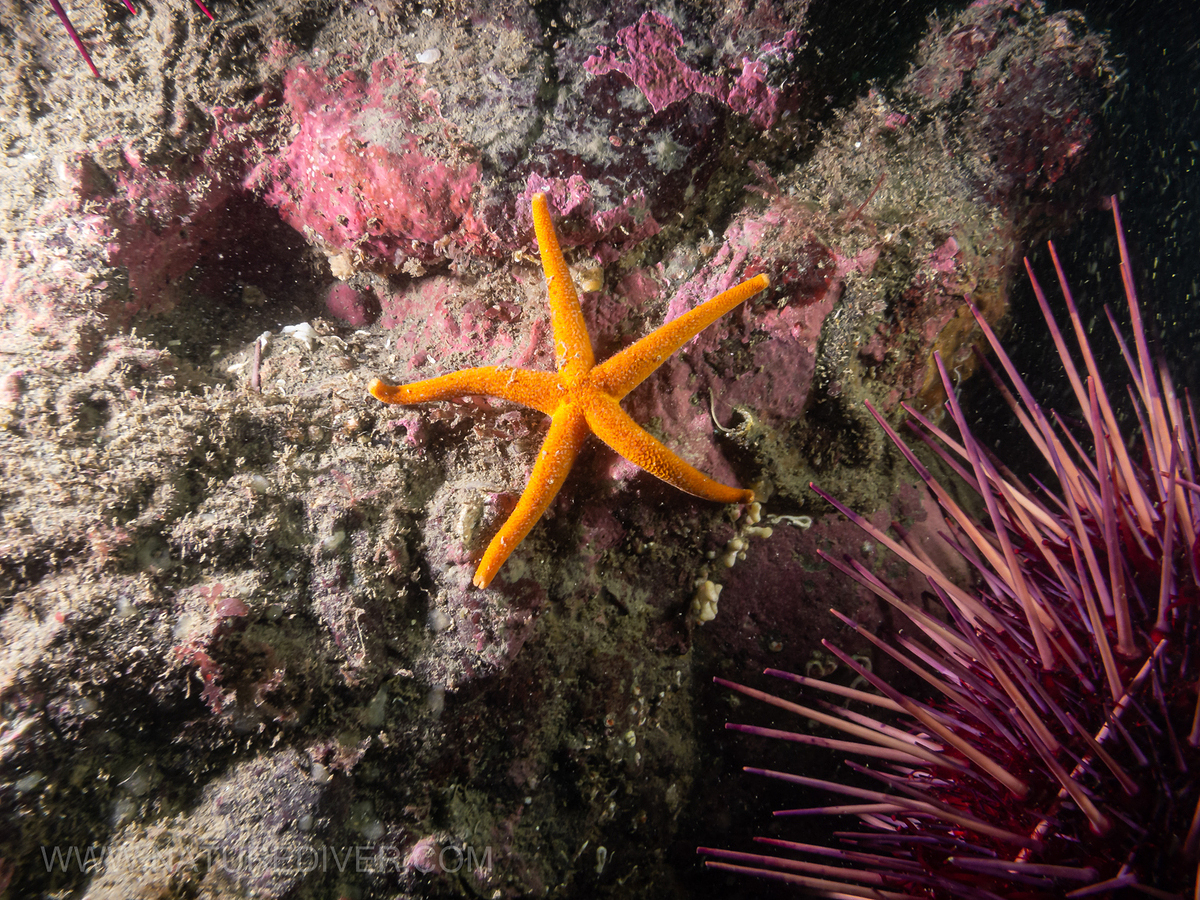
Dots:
pixel 1151 160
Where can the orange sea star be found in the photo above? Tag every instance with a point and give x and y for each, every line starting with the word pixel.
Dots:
pixel 581 398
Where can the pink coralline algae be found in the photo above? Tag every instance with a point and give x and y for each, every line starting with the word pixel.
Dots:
pixel 354 307
pixel 644 150
pixel 374 167
pixel 650 59
pixel 611 231
pixel 1030 85
pixel 435 319
pixel 394 168
pixel 762 357
pixel 152 221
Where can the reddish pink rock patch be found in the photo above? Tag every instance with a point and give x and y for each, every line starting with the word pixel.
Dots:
pixel 374 166
pixel 351 306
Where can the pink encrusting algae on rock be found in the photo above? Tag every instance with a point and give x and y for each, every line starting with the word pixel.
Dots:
pixel 620 228
pixel 1053 750
pixel 649 58
pixel 154 221
pixel 374 167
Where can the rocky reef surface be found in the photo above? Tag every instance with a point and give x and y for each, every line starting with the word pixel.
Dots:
pixel 240 654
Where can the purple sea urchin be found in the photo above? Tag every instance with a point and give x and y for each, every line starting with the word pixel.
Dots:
pixel 78 42
pixel 1055 753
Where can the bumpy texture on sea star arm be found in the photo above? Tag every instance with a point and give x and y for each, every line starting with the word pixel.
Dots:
pixel 542 391
pixel 568 431
pixel 572 347
pixel 620 374
pixel 613 425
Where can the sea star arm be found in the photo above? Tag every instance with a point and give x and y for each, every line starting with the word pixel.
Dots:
pixel 568 431
pixel 613 425
pixel 620 374
pixel 539 390
pixel 572 347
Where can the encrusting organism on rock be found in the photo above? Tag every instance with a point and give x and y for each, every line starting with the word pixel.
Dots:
pixel 582 398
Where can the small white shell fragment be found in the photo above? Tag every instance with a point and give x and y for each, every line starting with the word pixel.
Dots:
pixel 303 332
pixel 332 543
